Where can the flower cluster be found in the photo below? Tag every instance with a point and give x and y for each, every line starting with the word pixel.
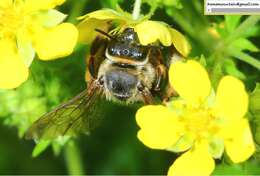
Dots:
pixel 199 123
pixel 26 27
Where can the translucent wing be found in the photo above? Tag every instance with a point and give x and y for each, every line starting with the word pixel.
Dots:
pixel 79 115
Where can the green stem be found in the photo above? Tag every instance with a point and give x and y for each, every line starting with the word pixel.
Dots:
pixel 77 8
pixel 73 159
pixel 137 9
pixel 185 25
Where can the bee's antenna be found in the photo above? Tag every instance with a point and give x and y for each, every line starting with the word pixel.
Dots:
pixel 104 33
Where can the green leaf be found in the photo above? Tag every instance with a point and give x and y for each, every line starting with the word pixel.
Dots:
pixel 225 169
pixel 244 57
pixel 40 147
pixel 254 112
pixel 257 136
pixel 231 22
pixel 253 31
pixel 175 3
pixel 254 102
pixel 110 3
pixel 168 3
pixel 244 44
pixel 216 74
pixel 230 68
pixel 202 60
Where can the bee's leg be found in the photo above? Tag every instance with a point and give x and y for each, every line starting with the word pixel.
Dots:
pixel 161 77
pixel 156 59
pixel 147 97
pixel 169 92
pixel 146 94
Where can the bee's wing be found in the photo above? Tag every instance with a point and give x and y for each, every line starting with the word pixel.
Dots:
pixel 79 115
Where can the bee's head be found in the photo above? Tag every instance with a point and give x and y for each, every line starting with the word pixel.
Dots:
pixel 121 85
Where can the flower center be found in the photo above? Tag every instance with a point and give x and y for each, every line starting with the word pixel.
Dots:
pixel 199 122
pixel 11 19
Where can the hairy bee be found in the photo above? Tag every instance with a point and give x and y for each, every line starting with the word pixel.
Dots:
pixel 119 69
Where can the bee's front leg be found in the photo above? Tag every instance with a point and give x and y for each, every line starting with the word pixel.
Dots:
pixel 146 94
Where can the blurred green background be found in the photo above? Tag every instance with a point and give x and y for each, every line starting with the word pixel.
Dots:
pixel 113 147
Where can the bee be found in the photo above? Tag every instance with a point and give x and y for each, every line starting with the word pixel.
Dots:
pixel 119 69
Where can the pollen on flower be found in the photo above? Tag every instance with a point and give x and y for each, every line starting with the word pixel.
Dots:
pixel 199 122
pixel 11 19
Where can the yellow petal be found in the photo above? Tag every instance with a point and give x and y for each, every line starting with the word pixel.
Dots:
pixel 5 3
pixel 190 80
pixel 49 18
pixel 159 126
pixel 240 145
pixel 231 98
pixel 104 14
pixel 150 31
pixel 13 71
pixel 34 5
pixel 55 42
pixel 87 28
pixel 180 43
pixel 197 162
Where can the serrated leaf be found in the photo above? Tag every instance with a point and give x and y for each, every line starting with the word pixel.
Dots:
pixel 110 3
pixel 175 3
pixel 203 61
pixel 40 147
pixel 169 3
pixel 231 22
pixel 230 68
pixel 253 31
pixel 254 102
pixel 244 44
pixel 257 135
pixel 217 75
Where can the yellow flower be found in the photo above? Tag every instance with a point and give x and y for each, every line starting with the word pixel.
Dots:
pixel 200 123
pixel 148 31
pixel 26 27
